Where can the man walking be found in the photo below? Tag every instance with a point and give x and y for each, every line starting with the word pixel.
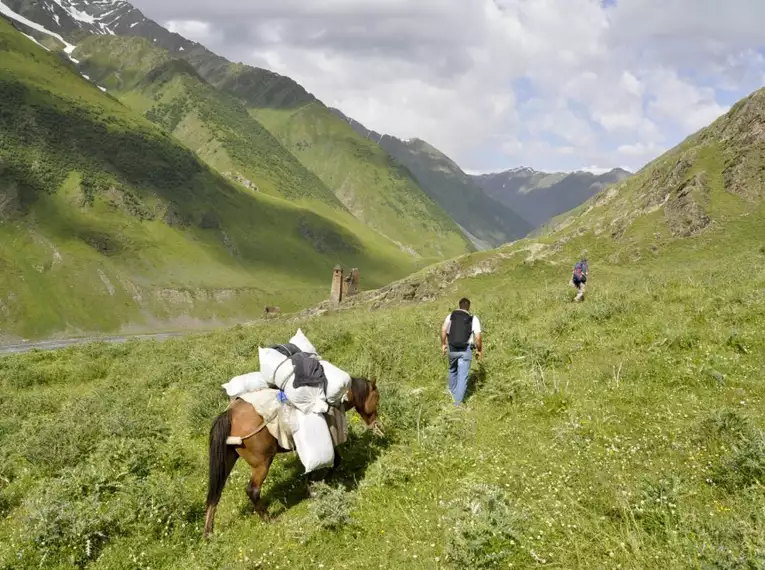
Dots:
pixel 460 333
pixel 579 277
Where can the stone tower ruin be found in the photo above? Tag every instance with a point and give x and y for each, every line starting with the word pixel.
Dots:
pixel 336 292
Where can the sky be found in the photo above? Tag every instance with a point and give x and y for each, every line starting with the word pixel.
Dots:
pixel 496 84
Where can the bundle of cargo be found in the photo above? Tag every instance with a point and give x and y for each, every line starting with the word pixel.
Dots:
pixel 311 385
pixel 245 383
pixel 300 377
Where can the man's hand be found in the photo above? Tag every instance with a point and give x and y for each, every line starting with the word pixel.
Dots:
pixel 443 349
pixel 479 354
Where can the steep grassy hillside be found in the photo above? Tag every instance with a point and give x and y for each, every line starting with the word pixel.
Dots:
pixel 214 125
pixel 713 178
pixel 220 129
pixel 377 189
pixel 487 221
pixel 627 431
pixel 540 196
pixel 108 222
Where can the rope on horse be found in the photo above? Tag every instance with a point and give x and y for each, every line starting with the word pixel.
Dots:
pixel 238 441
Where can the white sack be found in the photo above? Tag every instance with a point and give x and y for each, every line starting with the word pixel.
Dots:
pixel 245 383
pixel 307 399
pixel 313 442
pixel 338 382
pixel 302 342
pixel 277 369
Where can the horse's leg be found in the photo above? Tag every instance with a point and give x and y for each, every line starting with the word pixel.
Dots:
pixel 335 464
pixel 254 486
pixel 259 452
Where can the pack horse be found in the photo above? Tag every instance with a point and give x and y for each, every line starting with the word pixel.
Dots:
pixel 241 423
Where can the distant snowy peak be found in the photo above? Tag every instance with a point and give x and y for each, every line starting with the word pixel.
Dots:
pixel 96 16
pixel 522 170
pixel 32 26
pixel 75 18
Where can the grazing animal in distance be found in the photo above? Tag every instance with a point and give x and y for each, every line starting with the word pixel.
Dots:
pixel 271 310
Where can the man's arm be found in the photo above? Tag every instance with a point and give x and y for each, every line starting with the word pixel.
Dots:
pixel 443 338
pixel 479 345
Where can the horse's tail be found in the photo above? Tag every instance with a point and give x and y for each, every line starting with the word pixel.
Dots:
pixel 222 457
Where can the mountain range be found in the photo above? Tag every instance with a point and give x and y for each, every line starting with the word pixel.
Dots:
pixel 539 196
pixel 363 177
pixel 252 187
pixel 108 221
pixel 488 222
pixel 497 207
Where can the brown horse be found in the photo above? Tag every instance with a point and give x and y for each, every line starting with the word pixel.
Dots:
pixel 258 447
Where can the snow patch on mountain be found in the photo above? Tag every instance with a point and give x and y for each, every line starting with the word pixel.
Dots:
pixel 6 11
pixel 35 41
pixel 75 13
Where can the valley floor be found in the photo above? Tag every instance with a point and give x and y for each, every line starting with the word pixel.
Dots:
pixel 623 432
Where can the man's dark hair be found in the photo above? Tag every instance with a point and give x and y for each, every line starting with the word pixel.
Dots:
pixel 465 304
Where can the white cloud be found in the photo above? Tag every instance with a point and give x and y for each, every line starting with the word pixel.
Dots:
pixel 191 29
pixel 496 83
pixel 598 169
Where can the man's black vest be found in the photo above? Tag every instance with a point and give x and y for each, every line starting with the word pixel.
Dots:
pixel 460 329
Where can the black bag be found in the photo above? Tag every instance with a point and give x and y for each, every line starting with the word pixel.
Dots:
pixel 287 350
pixel 460 330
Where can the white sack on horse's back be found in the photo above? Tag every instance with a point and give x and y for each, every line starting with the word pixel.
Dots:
pixel 245 383
pixel 313 442
pixel 302 342
pixel 338 382
pixel 279 371
pixel 276 368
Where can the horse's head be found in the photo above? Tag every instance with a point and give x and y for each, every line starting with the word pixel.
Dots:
pixel 364 397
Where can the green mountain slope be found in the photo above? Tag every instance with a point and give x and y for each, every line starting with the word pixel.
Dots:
pixel 107 222
pixel 215 126
pixel 713 178
pixel 218 127
pixel 487 221
pixel 626 431
pixel 377 189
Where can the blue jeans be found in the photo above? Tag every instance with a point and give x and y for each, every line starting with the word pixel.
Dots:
pixel 459 368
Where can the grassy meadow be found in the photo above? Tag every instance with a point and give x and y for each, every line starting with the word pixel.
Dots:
pixel 622 432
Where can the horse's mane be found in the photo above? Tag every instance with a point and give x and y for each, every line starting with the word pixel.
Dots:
pixel 360 390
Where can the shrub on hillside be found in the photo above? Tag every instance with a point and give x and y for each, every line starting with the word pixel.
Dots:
pixel 741 448
pixel 331 506
pixel 483 530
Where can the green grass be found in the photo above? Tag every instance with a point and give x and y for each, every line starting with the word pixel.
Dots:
pixel 108 223
pixel 626 431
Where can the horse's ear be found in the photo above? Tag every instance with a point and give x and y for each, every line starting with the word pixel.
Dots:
pixel 374 383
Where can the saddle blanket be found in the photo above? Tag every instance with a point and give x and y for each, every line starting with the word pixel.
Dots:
pixel 281 419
